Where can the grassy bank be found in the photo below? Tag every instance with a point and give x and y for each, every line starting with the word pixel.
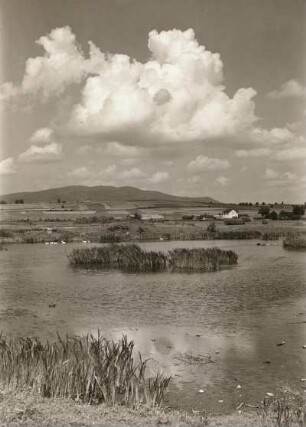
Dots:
pixel 30 409
pixel 134 258
pixel 27 408
pixel 87 369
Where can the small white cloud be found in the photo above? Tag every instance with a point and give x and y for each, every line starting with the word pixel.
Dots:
pixel 129 161
pixel 110 170
pixel 81 172
pixel 222 180
pixel 7 166
pixel 277 179
pixel 290 176
pixel 117 149
pixel 290 89
pixel 258 152
pixel 193 179
pixel 159 177
pixel 271 174
pixel 203 163
pixel 8 91
pixel 270 137
pixel 36 154
pixel 42 136
pixel 133 173
pixel 294 153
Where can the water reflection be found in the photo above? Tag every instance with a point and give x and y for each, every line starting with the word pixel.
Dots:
pixel 235 316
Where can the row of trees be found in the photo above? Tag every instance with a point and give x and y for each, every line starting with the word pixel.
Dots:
pixel 262 204
pixel 296 213
pixel 17 202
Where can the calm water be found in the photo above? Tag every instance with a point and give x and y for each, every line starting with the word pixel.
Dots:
pixel 237 316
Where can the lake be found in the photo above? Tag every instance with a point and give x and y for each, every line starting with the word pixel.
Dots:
pixel 236 316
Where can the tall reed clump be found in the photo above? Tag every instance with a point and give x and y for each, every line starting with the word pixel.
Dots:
pixel 295 242
pixel 134 258
pixel 210 259
pixel 119 256
pixel 88 369
pixel 286 409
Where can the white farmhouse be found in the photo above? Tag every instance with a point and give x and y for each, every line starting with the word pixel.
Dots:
pixel 229 214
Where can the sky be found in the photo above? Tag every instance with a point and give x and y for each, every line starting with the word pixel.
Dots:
pixel 189 97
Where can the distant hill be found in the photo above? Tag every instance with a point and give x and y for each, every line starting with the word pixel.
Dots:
pixel 105 194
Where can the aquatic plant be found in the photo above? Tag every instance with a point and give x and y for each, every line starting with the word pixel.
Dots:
pixel 287 408
pixel 87 369
pixel 208 259
pixel 133 257
pixel 238 234
pixel 296 241
pixel 119 256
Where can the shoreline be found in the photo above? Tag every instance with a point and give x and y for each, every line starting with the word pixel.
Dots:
pixel 27 408
pixel 138 231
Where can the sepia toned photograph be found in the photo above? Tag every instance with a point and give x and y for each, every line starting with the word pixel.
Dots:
pixel 152 213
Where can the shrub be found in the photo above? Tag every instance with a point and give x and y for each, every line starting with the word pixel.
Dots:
pixel 264 211
pixel 234 221
pixel 298 210
pixel 212 228
pixel 110 238
pixel 5 233
pixel 273 215
pixel 118 227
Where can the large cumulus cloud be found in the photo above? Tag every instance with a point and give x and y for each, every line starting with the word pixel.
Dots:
pixel 177 95
pixel 62 64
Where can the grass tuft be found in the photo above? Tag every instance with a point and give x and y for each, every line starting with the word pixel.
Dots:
pixel 286 409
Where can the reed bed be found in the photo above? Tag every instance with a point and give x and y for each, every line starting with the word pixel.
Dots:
pixel 86 369
pixel 295 242
pixel 210 259
pixel 132 257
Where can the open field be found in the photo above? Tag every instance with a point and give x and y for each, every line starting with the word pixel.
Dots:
pixel 39 223
pixel 125 230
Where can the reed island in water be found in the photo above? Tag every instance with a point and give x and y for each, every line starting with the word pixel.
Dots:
pixel 132 257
